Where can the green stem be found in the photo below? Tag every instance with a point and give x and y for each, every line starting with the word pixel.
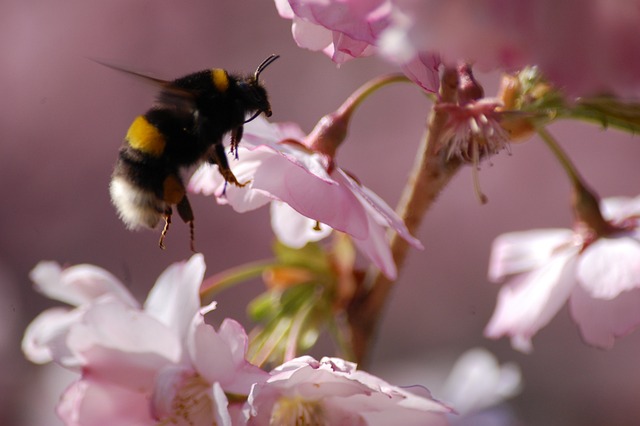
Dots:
pixel 562 157
pixel 357 97
pixel 230 277
pixel 585 202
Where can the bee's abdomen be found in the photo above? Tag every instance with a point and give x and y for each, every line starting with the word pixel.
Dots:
pixel 138 207
pixel 145 137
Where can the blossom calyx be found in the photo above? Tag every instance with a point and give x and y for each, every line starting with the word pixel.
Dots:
pixel 328 134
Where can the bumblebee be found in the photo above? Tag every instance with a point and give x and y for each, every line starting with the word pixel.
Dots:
pixel 184 127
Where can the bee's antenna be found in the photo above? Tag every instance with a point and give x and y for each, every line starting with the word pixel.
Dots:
pixel 265 64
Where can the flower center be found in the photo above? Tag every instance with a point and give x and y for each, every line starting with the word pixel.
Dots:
pixel 192 404
pixel 297 412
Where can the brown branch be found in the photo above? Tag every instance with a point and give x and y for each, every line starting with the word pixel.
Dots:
pixel 429 176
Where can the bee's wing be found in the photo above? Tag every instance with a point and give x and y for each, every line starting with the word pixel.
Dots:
pixel 169 95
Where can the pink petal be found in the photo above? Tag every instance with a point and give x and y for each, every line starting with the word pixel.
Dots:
pixel 284 10
pixel 333 205
pixel 88 403
pixel 123 346
pixel 381 207
pixel 424 71
pixel 45 339
pixel 219 357
pixel 205 180
pixel 346 48
pixel 518 252
pixel 529 301
pixel 376 248
pixel 293 229
pixel 309 35
pixel 78 285
pixel 260 132
pixel 221 406
pixel 361 20
pixel 610 266
pixel 602 321
pixel 175 298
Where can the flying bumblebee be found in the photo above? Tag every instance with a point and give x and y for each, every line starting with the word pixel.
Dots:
pixel 184 127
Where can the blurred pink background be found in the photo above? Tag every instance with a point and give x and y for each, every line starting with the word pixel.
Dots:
pixel 61 124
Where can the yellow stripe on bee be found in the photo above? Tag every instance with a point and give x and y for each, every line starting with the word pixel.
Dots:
pixel 172 190
pixel 145 137
pixel 220 79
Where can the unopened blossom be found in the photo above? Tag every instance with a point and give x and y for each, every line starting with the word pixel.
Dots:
pixel 139 365
pixel 597 274
pixel 332 392
pixel 277 164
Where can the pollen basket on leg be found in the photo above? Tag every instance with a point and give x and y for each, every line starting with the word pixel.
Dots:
pixel 172 190
pixel 220 79
pixel 145 137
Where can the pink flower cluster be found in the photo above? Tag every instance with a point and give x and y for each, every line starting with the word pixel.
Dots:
pixel 584 46
pixel 308 197
pixel 160 363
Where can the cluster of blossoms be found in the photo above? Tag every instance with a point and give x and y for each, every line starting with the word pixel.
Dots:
pixel 564 41
pixel 309 195
pixel 160 363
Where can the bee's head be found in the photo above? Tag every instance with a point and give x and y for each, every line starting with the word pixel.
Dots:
pixel 255 93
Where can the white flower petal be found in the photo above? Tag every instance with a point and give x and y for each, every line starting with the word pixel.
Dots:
pixel 78 284
pixel 477 382
pixel 529 301
pixel 601 321
pixel 174 299
pixel 518 252
pixel 88 403
pixel 309 35
pixel 45 339
pixel 610 266
pixel 333 205
pixel 388 215
pixel 121 345
pixel 620 208
pixel 376 248
pixel 294 229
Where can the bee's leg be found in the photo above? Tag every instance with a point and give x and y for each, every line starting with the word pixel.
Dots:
pixel 186 214
pixel 167 222
pixel 218 156
pixel 236 137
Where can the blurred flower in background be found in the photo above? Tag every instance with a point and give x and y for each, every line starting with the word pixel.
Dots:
pixel 598 275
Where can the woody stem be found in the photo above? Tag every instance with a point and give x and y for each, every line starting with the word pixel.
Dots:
pixel 430 174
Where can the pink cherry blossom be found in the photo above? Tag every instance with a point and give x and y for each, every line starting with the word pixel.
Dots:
pixel 140 365
pixel 333 392
pixel 584 46
pixel 342 29
pixel 546 268
pixel 348 29
pixel 276 164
